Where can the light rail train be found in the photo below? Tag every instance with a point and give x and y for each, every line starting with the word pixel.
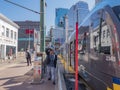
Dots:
pixel 98 47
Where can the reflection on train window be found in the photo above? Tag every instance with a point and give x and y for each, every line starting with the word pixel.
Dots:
pixel 103 34
pixel 108 33
pixel 72 48
pixel 82 43
pixel 95 19
pixel 94 33
pixel 100 37
pixel 105 40
pixel 116 10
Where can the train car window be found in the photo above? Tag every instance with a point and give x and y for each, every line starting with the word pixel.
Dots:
pixel 100 35
pixel 95 20
pixel 103 34
pixel 82 43
pixel 108 33
pixel 116 10
pixel 94 31
pixel 105 43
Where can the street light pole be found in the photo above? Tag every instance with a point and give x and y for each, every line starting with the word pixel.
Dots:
pixel 42 33
pixel 29 32
pixel 76 51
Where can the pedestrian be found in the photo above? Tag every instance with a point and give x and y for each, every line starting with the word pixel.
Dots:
pixel 47 62
pixel 47 51
pixel 28 57
pixel 51 67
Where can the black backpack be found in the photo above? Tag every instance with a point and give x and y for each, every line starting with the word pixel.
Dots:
pixel 48 59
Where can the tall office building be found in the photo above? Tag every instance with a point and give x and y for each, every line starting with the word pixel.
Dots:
pixel 98 1
pixel 59 17
pixel 57 36
pixel 28 34
pixel 80 8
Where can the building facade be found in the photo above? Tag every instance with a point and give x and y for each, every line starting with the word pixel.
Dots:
pixel 59 17
pixel 28 35
pixel 77 12
pixel 98 1
pixel 57 36
pixel 8 38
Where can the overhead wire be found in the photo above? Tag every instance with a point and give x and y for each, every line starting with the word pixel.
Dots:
pixel 23 7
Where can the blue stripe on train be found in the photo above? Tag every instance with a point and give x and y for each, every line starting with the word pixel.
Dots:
pixel 116 80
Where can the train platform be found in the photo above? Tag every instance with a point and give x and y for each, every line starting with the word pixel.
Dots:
pixel 64 81
pixel 16 75
pixel 68 76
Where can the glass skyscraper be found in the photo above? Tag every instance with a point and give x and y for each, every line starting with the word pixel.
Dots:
pixel 81 8
pixel 59 17
pixel 98 1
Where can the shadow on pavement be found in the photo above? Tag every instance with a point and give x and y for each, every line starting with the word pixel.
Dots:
pixel 24 83
pixel 17 66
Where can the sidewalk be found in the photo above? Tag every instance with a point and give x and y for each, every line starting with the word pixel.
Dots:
pixel 21 81
pixel 8 63
pixel 26 85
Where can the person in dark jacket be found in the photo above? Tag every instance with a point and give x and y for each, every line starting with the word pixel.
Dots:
pixel 28 57
pixel 46 62
pixel 51 65
pixel 47 51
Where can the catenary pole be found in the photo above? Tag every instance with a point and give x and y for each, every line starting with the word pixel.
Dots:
pixel 42 27
pixel 66 29
pixel 76 56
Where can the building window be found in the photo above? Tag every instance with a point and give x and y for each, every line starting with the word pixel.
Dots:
pixel 3 31
pixel 7 32
pixel 12 34
pixel 15 35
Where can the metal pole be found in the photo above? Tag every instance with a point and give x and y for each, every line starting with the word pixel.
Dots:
pixel 76 55
pixel 29 40
pixel 66 28
pixel 42 34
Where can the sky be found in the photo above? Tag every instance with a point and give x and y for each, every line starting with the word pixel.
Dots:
pixel 19 14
